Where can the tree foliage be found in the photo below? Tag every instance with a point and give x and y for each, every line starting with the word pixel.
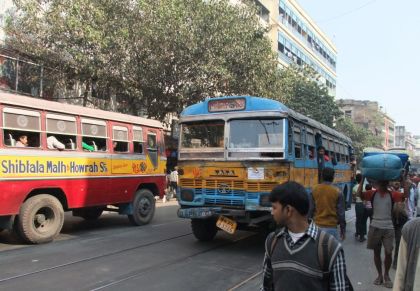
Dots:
pixel 302 92
pixel 157 56
pixel 360 136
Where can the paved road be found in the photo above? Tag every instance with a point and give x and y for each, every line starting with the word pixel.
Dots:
pixel 109 254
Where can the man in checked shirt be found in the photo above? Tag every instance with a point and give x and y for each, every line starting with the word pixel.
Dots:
pixel 300 256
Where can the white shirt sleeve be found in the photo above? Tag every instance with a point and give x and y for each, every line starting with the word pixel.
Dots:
pixel 53 143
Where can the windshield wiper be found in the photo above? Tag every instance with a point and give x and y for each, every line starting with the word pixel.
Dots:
pixel 266 131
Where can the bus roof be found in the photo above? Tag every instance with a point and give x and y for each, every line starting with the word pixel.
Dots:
pixel 253 104
pixel 53 106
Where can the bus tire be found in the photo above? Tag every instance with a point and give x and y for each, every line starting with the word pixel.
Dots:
pixel 89 214
pixel 40 219
pixel 204 229
pixel 143 207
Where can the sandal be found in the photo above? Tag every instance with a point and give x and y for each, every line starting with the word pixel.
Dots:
pixel 378 281
pixel 388 284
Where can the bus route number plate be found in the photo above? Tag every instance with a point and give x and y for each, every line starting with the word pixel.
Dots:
pixel 226 224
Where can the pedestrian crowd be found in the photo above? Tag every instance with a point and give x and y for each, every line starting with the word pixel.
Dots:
pixel 305 252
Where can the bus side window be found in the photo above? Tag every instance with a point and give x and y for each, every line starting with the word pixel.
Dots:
pixel 120 139
pixel 22 128
pixel 94 135
pixel 297 137
pixel 138 140
pixel 64 129
pixel 310 140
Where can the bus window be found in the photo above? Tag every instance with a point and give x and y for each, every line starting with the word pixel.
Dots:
pixel 297 137
pixel 138 140
pixel 120 139
pixel 152 149
pixel 151 142
pixel 204 134
pixel 63 128
pixel 310 140
pixel 22 128
pixel 94 134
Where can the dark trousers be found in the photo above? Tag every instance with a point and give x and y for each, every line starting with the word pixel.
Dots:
pixel 360 219
pixel 368 214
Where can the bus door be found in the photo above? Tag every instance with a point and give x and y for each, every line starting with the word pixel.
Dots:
pixel 152 149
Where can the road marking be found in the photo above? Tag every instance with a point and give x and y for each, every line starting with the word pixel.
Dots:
pixel 245 281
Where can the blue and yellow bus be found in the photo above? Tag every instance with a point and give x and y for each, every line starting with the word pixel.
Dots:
pixel 234 150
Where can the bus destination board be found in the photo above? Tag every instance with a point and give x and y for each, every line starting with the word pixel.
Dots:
pixel 234 104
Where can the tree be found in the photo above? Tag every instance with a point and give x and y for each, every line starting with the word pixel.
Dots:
pixel 360 136
pixel 301 91
pixel 156 56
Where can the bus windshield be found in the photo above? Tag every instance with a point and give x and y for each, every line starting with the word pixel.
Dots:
pixel 260 133
pixel 203 134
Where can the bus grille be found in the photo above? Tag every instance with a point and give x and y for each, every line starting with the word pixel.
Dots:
pixel 225 192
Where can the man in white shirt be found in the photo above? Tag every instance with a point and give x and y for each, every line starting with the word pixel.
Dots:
pixel 407 276
pixel 173 181
pixel 53 143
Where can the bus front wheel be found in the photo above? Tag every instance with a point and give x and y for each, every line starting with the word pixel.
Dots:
pixel 40 219
pixel 143 207
pixel 204 229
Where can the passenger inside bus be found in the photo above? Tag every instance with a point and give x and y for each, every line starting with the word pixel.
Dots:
pixel 87 147
pixel 138 147
pixel 98 144
pixel 120 147
pixel 322 153
pixel 21 138
pixel 311 153
pixel 54 143
pixel 22 141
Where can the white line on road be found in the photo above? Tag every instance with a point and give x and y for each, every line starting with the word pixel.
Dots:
pixel 245 281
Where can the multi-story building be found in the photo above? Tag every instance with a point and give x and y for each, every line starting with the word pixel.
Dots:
pixel 404 139
pixel 370 115
pixel 417 149
pixel 297 39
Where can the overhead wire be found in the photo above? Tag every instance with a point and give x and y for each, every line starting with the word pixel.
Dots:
pixel 348 12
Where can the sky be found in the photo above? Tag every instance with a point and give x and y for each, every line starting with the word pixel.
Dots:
pixel 378 43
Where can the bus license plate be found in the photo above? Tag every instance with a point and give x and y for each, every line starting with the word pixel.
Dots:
pixel 226 224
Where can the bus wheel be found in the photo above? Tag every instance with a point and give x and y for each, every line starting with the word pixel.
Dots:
pixel 40 219
pixel 204 229
pixel 92 213
pixel 143 207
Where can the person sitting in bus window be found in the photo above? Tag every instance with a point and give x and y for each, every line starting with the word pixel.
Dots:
pixel 53 143
pixel 311 153
pixel 322 153
pixel 22 141
pixel 87 147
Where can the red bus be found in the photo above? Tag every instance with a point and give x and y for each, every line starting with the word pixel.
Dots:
pixel 57 157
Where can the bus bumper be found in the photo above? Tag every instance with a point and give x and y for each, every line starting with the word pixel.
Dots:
pixel 206 212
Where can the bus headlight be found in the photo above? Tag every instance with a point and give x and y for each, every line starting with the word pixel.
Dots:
pixel 187 195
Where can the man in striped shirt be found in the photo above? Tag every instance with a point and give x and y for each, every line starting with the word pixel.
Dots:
pixel 300 256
